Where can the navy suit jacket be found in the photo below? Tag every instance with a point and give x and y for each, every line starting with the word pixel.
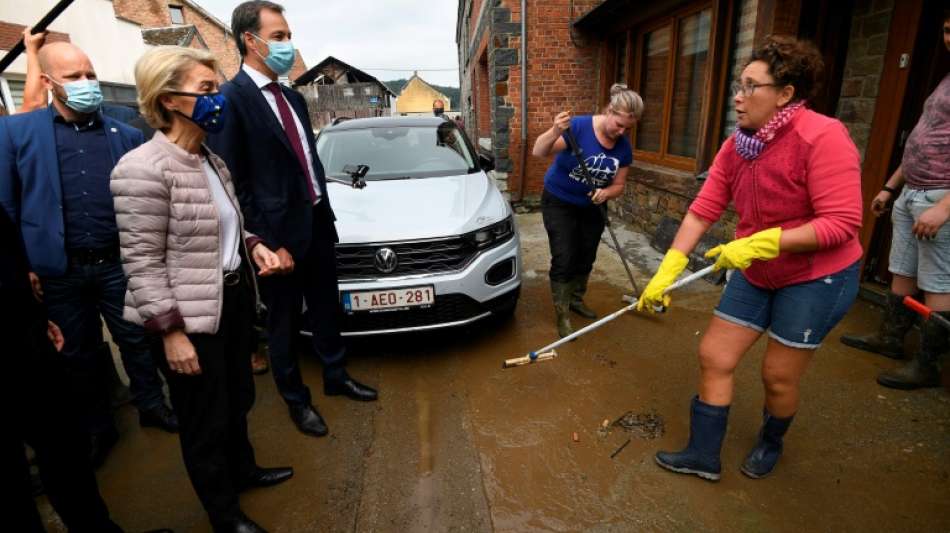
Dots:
pixel 31 190
pixel 269 181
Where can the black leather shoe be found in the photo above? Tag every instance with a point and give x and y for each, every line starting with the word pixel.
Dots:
pixel 350 388
pixel 308 420
pixel 268 477
pixel 100 444
pixel 160 417
pixel 243 524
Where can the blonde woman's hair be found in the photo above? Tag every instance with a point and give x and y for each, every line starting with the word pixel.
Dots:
pixel 625 101
pixel 162 70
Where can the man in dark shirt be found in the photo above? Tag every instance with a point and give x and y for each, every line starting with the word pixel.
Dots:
pixel 54 183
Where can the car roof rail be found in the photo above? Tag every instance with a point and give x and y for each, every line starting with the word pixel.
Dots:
pixel 338 120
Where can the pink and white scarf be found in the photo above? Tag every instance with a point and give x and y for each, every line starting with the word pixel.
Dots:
pixel 749 144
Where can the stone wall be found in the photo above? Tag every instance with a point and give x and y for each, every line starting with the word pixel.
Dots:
pixel 862 72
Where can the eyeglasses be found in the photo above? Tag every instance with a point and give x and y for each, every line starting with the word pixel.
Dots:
pixel 746 89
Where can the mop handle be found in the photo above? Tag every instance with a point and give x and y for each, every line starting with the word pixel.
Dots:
pixel 926 312
pixel 685 281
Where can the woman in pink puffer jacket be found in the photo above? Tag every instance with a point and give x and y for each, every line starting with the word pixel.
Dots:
pixel 191 282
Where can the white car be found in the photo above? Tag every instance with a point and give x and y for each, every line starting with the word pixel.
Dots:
pixel 429 242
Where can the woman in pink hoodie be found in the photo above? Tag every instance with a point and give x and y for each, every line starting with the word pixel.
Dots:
pixel 795 180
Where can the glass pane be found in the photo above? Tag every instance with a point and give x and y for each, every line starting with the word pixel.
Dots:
pixel 620 75
pixel 689 83
pixel 177 14
pixel 653 88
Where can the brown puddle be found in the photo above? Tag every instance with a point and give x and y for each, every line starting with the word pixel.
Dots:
pixel 457 443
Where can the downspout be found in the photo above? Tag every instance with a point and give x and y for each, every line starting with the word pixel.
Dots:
pixel 524 99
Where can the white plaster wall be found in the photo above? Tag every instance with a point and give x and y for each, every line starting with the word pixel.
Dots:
pixel 113 45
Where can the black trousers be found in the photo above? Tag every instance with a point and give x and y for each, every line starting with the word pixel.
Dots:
pixel 212 407
pixel 573 235
pixel 40 413
pixel 313 281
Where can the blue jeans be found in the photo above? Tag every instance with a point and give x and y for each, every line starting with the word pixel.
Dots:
pixel 799 315
pixel 75 302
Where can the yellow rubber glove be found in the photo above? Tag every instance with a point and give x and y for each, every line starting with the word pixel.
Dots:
pixel 673 264
pixel 740 253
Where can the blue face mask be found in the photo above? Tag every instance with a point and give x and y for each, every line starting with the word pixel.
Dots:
pixel 82 96
pixel 209 112
pixel 280 55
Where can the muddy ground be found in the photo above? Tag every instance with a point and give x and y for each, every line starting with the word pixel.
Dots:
pixel 455 443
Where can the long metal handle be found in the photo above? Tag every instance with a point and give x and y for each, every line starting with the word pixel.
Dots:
pixel 590 327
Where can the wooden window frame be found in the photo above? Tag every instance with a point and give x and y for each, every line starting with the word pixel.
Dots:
pixel 712 111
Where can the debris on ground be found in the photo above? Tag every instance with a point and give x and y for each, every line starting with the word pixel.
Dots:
pixel 575 437
pixel 620 449
pixel 643 425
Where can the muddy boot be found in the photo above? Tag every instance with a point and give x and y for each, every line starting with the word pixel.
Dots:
pixel 561 292
pixel 577 298
pixel 889 339
pixel 921 371
pixel 707 427
pixel 763 458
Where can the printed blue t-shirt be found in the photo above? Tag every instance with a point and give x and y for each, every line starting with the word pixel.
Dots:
pixel 564 178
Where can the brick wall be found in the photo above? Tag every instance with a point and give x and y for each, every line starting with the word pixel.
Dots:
pixel 155 14
pixel 862 72
pixel 562 75
pixel 10 34
pixel 745 34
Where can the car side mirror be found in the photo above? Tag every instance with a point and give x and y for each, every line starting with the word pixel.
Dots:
pixel 485 162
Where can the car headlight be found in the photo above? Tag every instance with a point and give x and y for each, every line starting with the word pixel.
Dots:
pixel 489 236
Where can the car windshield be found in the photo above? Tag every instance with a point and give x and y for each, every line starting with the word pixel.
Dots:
pixel 397 152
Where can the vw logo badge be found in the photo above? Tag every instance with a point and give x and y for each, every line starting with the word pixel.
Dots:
pixel 386 260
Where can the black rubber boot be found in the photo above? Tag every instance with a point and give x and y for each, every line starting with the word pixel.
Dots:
pixel 561 293
pixel 707 427
pixel 921 371
pixel 577 298
pixel 889 338
pixel 763 458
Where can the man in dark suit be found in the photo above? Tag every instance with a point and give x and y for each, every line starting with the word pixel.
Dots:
pixel 268 144
pixel 55 164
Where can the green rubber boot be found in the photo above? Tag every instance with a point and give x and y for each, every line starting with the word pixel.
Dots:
pixel 577 298
pixel 561 293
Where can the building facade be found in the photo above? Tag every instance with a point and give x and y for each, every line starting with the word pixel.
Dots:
pixel 882 58
pixel 417 97
pixel 335 89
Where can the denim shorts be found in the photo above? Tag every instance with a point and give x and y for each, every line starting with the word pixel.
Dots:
pixel 799 315
pixel 927 260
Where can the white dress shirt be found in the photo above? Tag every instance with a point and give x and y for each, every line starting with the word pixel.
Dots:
pixel 262 81
pixel 229 240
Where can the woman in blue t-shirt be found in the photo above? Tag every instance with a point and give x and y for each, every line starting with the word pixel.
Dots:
pixel 571 207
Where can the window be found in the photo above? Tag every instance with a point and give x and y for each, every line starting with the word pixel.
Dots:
pixel 177 14
pixel 620 59
pixel 672 73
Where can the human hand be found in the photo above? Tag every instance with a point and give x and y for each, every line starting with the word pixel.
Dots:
pixel 55 335
pixel 927 226
pixel 599 196
pixel 286 261
pixel 879 203
pixel 267 261
pixel 673 264
pixel 33 42
pixel 740 253
pixel 562 122
pixel 180 353
pixel 37 287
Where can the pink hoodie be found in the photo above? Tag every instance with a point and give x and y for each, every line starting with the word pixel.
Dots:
pixel 810 172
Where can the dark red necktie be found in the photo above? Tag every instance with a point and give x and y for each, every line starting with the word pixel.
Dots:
pixel 290 128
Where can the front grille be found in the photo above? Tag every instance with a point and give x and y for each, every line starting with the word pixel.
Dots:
pixel 357 261
pixel 447 308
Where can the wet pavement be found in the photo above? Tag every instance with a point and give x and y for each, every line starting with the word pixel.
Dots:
pixel 455 443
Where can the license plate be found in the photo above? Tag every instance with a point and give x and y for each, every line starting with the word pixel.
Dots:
pixel 388 299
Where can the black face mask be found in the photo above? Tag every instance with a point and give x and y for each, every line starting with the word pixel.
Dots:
pixel 438 111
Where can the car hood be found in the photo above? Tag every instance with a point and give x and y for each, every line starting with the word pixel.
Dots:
pixel 417 208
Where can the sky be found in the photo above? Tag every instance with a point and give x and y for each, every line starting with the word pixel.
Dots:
pixel 372 34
